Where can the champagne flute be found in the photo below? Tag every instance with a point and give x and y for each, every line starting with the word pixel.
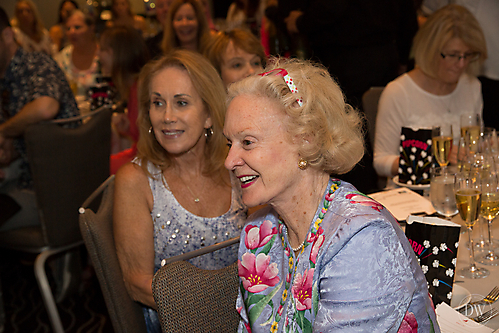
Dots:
pixel 442 191
pixel 471 127
pixel 489 210
pixel 468 191
pixel 441 137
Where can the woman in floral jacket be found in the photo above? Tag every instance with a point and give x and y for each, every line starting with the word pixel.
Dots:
pixel 321 257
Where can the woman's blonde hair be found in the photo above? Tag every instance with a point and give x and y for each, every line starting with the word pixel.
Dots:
pixel 38 23
pixel 210 88
pixel 241 38
pixel 451 21
pixel 170 40
pixel 329 128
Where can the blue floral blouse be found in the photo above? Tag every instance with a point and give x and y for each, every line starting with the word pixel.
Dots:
pixel 355 273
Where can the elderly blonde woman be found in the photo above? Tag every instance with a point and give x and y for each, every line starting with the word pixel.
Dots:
pixel 236 54
pixel 29 29
pixel 449 48
pixel 176 196
pixel 321 257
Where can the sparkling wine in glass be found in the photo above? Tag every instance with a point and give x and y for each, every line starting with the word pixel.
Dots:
pixel 471 128
pixel 489 210
pixel 442 143
pixel 468 191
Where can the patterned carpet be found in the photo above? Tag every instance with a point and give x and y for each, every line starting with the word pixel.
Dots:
pixel 84 311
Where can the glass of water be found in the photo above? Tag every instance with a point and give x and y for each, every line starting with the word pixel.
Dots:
pixel 442 194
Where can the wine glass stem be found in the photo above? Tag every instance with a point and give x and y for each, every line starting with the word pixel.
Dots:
pixel 472 251
pixel 490 232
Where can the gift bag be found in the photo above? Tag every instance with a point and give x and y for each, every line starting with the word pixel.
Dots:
pixel 103 93
pixel 415 156
pixel 435 242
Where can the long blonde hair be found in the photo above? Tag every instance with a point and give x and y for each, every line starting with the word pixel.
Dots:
pixel 37 24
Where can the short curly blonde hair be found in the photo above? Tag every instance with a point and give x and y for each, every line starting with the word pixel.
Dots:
pixel 331 128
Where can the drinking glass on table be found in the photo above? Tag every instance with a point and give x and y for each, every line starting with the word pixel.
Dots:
pixel 471 128
pixel 441 137
pixel 468 191
pixel 442 191
pixel 489 210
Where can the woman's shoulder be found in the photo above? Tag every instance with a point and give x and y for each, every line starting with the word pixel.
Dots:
pixel 353 210
pixel 399 85
pixel 131 173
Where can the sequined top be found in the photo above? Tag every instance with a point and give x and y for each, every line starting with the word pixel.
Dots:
pixel 177 231
pixel 356 272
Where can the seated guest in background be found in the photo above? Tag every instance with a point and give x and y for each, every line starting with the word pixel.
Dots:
pixel 33 89
pixel 185 27
pixel 154 43
pixel 122 15
pixel 29 29
pixel 246 14
pixel 486 12
pixel 176 196
pixel 288 130
pixel 122 55
pixel 79 60
pixel 235 54
pixel 449 49
pixel 58 31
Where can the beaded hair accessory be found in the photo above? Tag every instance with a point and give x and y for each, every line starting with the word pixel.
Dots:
pixel 289 81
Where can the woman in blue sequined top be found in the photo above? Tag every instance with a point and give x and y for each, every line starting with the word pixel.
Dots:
pixel 176 196
pixel 322 257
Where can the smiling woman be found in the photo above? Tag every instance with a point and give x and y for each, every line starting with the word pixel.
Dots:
pixel 176 196
pixel 185 27
pixel 288 130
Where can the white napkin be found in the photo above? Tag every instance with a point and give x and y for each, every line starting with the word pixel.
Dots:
pixel 401 202
pixel 451 321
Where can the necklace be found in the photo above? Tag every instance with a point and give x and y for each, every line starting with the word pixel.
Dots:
pixel 292 265
pixel 196 198
pixel 295 249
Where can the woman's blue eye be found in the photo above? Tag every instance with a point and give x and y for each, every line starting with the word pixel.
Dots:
pixel 182 103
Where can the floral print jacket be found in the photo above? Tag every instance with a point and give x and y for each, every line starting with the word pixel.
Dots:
pixel 356 272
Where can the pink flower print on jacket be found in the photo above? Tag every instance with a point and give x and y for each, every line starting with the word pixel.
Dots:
pixel 364 200
pixel 258 237
pixel 302 290
pixel 317 240
pixel 256 273
pixel 409 324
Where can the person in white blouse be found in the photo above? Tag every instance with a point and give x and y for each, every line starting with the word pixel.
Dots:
pixel 449 49
pixel 29 29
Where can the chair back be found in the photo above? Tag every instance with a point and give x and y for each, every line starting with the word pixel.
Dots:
pixel 67 164
pixel 191 299
pixel 370 101
pixel 97 230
